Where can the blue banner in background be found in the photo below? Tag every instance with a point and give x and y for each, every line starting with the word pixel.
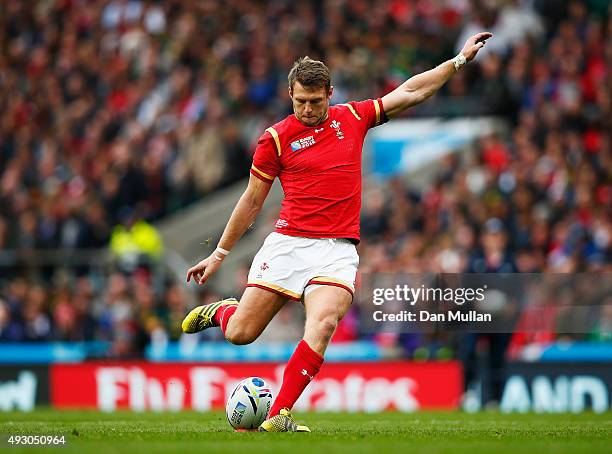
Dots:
pixel 577 352
pixel 65 352
pixel 56 352
pixel 277 352
pixel 405 146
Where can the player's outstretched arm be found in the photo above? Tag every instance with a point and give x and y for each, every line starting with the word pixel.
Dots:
pixel 420 87
pixel 245 212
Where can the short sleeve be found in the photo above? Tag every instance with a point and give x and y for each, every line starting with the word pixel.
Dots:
pixel 266 162
pixel 370 110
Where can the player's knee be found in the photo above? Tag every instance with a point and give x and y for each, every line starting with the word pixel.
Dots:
pixel 326 326
pixel 240 336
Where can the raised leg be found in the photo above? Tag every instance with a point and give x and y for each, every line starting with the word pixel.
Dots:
pixel 256 309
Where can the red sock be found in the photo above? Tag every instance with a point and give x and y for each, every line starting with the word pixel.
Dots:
pixel 223 314
pixel 300 370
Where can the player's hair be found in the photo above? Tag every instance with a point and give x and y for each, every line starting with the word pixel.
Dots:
pixel 310 74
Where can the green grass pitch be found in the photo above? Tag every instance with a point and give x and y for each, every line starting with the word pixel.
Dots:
pixel 427 432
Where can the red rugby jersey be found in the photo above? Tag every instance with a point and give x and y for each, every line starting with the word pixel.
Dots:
pixel 319 168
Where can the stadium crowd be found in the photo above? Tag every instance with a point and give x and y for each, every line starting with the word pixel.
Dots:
pixel 124 110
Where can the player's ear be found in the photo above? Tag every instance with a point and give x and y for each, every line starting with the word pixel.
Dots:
pixel 290 92
pixel 330 92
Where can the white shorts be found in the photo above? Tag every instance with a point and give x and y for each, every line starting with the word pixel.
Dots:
pixel 293 266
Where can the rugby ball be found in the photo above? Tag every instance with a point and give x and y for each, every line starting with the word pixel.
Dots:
pixel 249 403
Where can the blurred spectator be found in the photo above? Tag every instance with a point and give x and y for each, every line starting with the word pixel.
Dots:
pixel 134 108
pixel 10 330
pixel 135 242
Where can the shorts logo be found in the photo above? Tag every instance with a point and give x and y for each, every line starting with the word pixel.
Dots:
pixel 336 125
pixel 300 144
pixel 262 269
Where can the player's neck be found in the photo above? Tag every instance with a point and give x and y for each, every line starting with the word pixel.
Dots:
pixel 324 119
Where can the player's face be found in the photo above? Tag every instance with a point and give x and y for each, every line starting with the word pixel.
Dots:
pixel 310 105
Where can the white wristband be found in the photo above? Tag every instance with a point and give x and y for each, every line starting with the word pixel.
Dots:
pixel 217 257
pixel 459 61
pixel 220 250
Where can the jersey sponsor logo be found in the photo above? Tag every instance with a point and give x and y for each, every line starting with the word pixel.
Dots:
pixel 281 223
pixel 336 125
pixel 302 143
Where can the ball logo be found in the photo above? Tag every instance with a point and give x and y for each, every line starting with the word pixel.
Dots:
pixel 264 392
pixel 238 413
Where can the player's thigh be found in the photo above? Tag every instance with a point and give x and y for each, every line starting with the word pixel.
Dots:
pixel 256 308
pixel 326 305
pixel 326 299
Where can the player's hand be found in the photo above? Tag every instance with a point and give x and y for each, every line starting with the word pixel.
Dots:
pixel 474 44
pixel 204 269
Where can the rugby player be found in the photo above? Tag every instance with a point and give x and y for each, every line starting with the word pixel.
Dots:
pixel 311 256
